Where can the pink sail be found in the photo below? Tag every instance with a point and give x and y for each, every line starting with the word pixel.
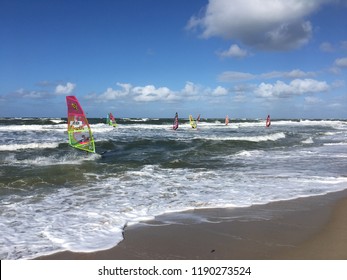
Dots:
pixel 80 134
pixel 268 121
pixel 227 120
pixel 175 123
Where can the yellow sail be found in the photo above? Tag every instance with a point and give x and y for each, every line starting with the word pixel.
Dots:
pixel 192 121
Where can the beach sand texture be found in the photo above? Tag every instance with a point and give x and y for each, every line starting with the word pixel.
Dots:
pixel 300 229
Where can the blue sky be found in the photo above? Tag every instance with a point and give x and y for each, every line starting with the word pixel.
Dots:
pixel 151 58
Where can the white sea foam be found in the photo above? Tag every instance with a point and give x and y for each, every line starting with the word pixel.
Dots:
pixel 308 141
pixel 33 127
pixel 336 144
pixel 15 147
pixel 88 218
pixel 258 138
pixel 57 121
pixel 87 202
pixel 255 153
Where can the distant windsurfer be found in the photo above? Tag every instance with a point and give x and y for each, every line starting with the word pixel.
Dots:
pixel 192 122
pixel 268 121
pixel 175 124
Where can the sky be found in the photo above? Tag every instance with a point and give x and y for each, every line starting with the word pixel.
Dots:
pixel 152 58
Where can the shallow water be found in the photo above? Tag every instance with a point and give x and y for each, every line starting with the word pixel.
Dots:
pixel 56 198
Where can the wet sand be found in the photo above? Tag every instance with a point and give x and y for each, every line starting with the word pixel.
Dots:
pixel 300 229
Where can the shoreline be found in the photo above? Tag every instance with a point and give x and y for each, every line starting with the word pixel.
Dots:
pixel 304 228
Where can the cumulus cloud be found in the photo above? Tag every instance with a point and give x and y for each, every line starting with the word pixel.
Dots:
pixel 233 51
pixel 219 91
pixel 65 89
pixel 151 93
pixel 262 24
pixel 148 93
pixel 294 88
pixel 190 89
pixel 111 94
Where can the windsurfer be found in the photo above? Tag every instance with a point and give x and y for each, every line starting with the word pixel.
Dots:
pixel 268 121
pixel 175 124
pixel 84 139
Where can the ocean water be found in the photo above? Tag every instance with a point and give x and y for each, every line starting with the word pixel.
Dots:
pixel 55 198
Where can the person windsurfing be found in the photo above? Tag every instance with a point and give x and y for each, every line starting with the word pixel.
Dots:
pixel 175 124
pixel 268 121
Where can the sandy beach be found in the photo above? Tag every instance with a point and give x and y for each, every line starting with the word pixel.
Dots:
pixel 305 228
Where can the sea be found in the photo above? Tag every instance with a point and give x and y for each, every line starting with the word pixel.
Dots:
pixel 55 198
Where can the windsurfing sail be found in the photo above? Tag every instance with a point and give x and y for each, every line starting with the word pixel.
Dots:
pixel 227 120
pixel 110 120
pixel 80 134
pixel 192 122
pixel 268 121
pixel 175 122
pixel 198 118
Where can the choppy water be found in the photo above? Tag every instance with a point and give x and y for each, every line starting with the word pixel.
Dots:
pixel 55 198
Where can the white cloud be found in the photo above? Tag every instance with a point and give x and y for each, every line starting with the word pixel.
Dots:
pixel 296 73
pixel 233 76
pixel 219 91
pixel 111 94
pixel 151 93
pixel 233 51
pixel 295 87
pixel 190 89
pixel 148 93
pixel 263 24
pixel 33 94
pixel 65 89
pixel 341 62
